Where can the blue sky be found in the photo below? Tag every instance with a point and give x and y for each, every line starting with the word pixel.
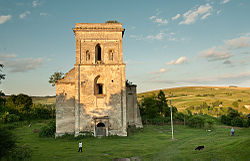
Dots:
pixel 166 43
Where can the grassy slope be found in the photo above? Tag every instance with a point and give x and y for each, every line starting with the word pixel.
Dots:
pixel 187 96
pixel 154 143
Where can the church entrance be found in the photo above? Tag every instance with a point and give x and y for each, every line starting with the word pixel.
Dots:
pixel 100 129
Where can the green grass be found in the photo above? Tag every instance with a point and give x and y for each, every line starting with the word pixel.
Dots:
pixel 152 143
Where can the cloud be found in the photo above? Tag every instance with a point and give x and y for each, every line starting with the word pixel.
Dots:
pixel 224 1
pixel 162 70
pixel 218 12
pixel 205 16
pixel 228 78
pixel 23 15
pixel 237 43
pixel 43 14
pixel 16 65
pixel 213 54
pixel 152 17
pixel 158 20
pixel 35 4
pixel 4 18
pixel 176 17
pixel 227 62
pixel 181 60
pixel 192 15
pixel 245 52
pixel 159 36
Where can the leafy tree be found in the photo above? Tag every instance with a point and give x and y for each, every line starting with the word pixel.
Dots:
pixel 162 103
pixel 55 77
pixel 2 76
pixel 22 102
pixel 7 142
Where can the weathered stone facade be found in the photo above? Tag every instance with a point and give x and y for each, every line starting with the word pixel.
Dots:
pixel 93 96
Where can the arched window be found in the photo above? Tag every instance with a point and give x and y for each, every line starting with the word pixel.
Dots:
pixel 87 55
pixel 98 53
pixel 111 55
pixel 98 86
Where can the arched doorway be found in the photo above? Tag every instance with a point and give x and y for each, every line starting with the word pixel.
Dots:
pixel 100 129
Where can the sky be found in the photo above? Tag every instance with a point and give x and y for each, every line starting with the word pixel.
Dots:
pixel 167 43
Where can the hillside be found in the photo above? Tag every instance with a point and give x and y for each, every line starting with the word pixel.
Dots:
pixel 193 97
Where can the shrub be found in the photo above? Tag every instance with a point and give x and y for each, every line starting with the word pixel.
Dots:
pixel 7 142
pixel 209 123
pixel 237 121
pixel 225 120
pixel 235 104
pixel 196 121
pixel 48 130
pixel 7 117
pixel 18 153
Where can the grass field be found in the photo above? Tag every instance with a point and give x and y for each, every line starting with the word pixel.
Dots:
pixel 153 143
pixel 184 97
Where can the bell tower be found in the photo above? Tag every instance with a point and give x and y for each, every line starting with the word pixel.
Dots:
pixel 100 78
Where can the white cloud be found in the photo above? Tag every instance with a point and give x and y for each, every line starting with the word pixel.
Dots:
pixel 237 43
pixel 176 17
pixel 15 64
pixel 152 17
pixel 4 18
pixel 213 54
pixel 35 4
pixel 205 16
pixel 43 14
pixel 162 70
pixel 218 12
pixel 23 15
pixel 225 1
pixel 192 15
pixel 159 36
pixel 181 60
pixel 161 21
pixel 158 20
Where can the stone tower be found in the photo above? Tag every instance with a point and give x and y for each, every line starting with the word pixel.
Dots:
pixel 92 96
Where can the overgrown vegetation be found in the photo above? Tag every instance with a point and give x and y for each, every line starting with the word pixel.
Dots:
pixel 20 107
pixel 48 130
pixel 112 21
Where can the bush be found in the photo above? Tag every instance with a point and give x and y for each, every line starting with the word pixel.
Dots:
pixel 7 117
pixel 235 104
pixel 209 123
pixel 225 120
pixel 48 130
pixel 237 121
pixel 18 153
pixel 196 121
pixel 7 142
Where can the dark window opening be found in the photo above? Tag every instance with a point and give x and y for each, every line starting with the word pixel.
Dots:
pixel 98 52
pixel 87 55
pixel 100 124
pixel 100 88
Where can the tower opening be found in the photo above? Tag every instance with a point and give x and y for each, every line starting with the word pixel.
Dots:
pixel 98 53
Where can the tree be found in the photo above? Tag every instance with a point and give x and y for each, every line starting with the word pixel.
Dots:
pixel 55 77
pixel 21 102
pixel 2 76
pixel 7 142
pixel 162 103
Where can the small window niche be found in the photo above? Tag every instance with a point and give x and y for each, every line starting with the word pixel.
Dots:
pixel 87 55
pixel 111 55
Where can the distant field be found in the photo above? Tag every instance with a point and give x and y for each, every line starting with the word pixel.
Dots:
pixel 184 97
pixel 44 100
pixel 152 144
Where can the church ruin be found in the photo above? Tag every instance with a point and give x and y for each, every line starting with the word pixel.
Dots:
pixel 94 95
